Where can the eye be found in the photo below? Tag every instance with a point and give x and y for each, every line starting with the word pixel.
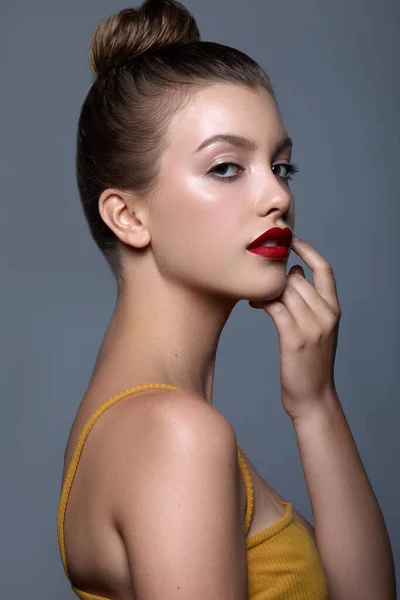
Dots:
pixel 222 167
pixel 289 168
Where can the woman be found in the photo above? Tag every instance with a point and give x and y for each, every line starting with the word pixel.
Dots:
pixel 183 163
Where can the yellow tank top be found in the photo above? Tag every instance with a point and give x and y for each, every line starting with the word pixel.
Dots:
pixel 282 560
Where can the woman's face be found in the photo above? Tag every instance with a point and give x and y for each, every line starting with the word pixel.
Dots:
pixel 206 212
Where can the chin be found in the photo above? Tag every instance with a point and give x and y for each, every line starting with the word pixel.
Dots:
pixel 273 287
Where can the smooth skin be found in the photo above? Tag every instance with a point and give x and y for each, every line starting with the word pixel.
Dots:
pixel 350 530
pixel 307 320
pixel 193 265
pixel 161 469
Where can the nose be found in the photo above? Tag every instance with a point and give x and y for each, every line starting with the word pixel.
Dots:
pixel 276 196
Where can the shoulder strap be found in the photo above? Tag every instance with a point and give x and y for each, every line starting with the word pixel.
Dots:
pixel 69 478
pixel 249 489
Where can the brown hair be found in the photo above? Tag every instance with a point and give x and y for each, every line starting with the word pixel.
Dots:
pixel 146 62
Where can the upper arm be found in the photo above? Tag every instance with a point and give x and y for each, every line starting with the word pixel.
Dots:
pixel 303 521
pixel 179 511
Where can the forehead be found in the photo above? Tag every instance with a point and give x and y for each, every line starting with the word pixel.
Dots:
pixel 226 108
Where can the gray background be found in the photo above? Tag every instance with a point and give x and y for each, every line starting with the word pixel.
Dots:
pixel 335 71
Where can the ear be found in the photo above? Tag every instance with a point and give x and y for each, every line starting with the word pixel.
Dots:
pixel 126 215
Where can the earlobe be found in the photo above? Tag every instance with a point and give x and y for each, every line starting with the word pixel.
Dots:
pixel 117 209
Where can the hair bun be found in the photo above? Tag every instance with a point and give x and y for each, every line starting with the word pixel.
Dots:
pixel 121 37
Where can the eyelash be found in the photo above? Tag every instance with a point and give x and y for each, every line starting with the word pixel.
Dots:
pixel 292 169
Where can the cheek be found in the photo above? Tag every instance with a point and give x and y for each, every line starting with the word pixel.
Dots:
pixel 198 224
pixel 196 212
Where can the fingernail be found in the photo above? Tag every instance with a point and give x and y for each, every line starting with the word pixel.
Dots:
pixel 295 238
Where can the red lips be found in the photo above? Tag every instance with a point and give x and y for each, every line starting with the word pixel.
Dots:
pixel 283 237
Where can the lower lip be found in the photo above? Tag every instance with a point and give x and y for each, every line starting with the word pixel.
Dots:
pixel 271 251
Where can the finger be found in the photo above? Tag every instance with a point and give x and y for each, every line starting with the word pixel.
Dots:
pixel 282 318
pixel 321 309
pixel 323 277
pixel 306 318
pixel 253 305
pixel 298 269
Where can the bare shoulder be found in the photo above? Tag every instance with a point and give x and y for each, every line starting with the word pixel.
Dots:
pixel 162 427
pixel 178 401
pixel 171 413
pixel 176 501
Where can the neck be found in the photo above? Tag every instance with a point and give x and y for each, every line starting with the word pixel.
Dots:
pixel 171 340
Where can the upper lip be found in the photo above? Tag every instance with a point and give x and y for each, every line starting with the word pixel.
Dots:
pixel 283 236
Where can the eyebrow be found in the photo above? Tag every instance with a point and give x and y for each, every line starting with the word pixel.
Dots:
pixel 243 142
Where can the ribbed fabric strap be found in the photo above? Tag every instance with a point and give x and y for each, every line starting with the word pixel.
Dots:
pixel 249 490
pixel 69 478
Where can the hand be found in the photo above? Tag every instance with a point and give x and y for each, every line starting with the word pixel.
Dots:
pixel 307 319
